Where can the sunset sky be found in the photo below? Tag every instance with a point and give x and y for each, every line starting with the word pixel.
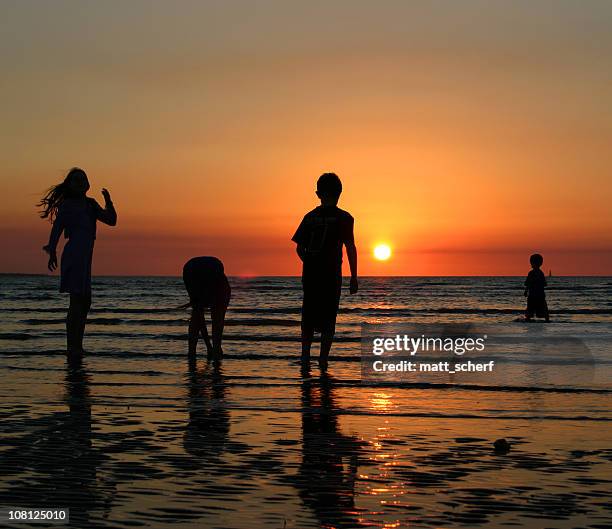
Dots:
pixel 467 134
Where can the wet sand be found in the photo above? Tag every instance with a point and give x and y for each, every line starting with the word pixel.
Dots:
pixel 123 444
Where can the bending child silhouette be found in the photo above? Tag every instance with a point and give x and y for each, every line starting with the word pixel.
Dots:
pixel 207 286
pixel 75 214
pixel 534 290
pixel 319 239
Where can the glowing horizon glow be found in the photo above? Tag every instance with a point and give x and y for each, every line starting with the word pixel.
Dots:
pixel 382 252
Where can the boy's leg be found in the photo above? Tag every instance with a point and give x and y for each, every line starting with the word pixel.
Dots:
pixel 309 297
pixel 331 310
pixel 195 324
pixel 307 336
pixel 327 339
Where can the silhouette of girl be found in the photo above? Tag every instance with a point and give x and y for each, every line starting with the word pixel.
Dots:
pixel 75 214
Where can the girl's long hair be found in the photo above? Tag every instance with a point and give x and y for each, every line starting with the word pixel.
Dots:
pixel 56 194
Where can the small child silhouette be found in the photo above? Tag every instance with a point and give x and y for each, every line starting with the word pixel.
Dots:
pixel 319 239
pixel 534 290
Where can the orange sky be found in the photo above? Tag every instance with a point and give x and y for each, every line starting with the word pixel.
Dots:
pixel 467 135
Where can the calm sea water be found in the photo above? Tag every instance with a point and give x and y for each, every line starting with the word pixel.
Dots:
pixel 139 435
pixel 134 319
pixel 125 308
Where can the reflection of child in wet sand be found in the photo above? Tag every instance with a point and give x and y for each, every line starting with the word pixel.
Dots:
pixel 207 287
pixel 534 290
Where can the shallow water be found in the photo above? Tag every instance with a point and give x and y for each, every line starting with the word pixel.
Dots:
pixel 137 435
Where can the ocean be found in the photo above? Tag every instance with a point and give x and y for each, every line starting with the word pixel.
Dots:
pixel 154 439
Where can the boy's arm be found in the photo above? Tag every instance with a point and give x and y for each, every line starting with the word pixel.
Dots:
pixel 299 238
pixel 301 251
pixel 351 253
pixel 526 286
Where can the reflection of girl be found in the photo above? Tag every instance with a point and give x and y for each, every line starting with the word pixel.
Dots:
pixel 74 213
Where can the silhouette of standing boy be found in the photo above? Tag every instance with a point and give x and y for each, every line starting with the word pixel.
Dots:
pixel 534 290
pixel 319 240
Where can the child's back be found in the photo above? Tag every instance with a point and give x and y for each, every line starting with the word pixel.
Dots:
pixel 322 233
pixel 536 283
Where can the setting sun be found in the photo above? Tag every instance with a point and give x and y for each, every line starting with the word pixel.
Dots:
pixel 382 252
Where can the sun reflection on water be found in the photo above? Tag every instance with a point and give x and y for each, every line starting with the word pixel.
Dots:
pixel 381 402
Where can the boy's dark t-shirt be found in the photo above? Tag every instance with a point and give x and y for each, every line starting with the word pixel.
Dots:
pixel 536 282
pixel 322 233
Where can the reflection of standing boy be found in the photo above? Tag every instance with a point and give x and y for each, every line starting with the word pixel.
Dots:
pixel 319 240
pixel 534 290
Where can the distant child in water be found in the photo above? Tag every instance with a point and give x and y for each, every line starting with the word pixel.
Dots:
pixel 534 290
pixel 320 238
pixel 208 288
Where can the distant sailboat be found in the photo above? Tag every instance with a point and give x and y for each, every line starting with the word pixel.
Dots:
pixel 549 272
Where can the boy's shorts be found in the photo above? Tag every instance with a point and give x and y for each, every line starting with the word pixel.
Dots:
pixel 536 306
pixel 321 300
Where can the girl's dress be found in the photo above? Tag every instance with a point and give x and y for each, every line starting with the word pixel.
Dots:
pixel 76 218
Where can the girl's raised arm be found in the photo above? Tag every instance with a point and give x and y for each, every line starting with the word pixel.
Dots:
pixel 108 215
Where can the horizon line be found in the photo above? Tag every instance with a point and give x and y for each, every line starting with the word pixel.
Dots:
pixel 26 274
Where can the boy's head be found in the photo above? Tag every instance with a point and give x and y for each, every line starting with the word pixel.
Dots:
pixel 329 188
pixel 536 260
